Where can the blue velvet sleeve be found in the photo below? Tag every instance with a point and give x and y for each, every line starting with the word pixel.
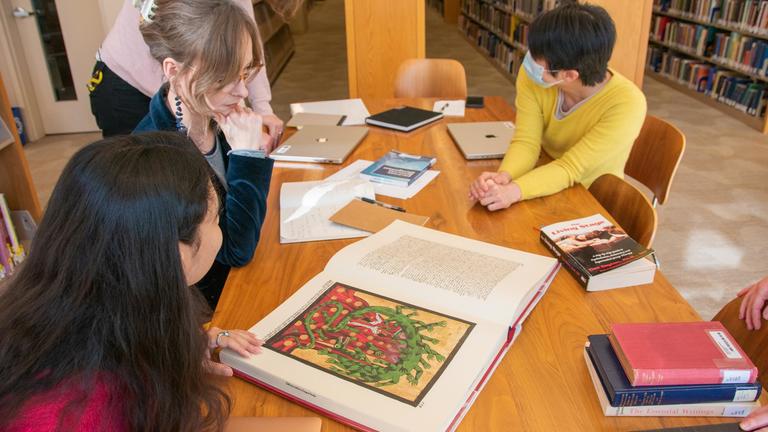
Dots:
pixel 245 207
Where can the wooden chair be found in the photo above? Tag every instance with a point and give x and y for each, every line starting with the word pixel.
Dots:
pixel 655 157
pixel 273 424
pixel 628 206
pixel 441 78
pixel 754 342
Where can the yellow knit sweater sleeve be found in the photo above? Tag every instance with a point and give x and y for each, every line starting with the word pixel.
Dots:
pixel 525 147
pixel 604 148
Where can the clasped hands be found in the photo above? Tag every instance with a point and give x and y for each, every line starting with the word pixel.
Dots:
pixel 495 190
pixel 244 129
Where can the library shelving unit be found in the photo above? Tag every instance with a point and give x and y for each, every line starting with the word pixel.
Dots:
pixel 498 29
pixel 715 51
pixel 276 37
pixel 15 178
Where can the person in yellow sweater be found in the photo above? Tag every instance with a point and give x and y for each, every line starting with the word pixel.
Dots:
pixel 570 104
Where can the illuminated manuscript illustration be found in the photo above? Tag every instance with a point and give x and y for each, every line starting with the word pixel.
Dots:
pixel 388 346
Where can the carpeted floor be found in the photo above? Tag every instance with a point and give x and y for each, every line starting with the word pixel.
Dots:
pixel 712 231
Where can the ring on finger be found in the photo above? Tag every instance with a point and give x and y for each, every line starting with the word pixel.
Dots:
pixel 218 337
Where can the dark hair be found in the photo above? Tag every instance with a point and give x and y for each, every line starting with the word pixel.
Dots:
pixel 574 36
pixel 102 295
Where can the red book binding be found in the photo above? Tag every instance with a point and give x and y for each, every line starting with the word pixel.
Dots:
pixel 680 353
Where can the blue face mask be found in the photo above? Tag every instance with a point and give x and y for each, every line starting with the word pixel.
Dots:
pixel 536 72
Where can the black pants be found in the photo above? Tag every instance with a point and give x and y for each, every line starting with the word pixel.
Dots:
pixel 117 105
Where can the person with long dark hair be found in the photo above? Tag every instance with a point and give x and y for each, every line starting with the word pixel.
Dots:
pixel 99 328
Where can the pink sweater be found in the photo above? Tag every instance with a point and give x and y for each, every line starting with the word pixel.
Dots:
pixel 126 54
pixel 68 408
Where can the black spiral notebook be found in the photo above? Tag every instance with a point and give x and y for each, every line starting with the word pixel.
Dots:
pixel 404 119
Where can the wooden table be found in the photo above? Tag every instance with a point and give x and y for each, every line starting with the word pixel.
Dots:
pixel 542 383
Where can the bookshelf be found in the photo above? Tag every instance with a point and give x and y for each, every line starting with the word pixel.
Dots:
pixel 15 178
pixel 276 37
pixel 498 29
pixel 715 51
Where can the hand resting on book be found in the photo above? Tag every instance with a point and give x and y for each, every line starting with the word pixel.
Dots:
pixel 242 342
pixel 757 420
pixel 753 305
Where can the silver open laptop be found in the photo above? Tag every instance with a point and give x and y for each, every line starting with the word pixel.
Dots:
pixel 323 144
pixel 482 140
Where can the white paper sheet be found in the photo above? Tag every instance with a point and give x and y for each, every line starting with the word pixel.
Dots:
pixel 452 108
pixel 354 169
pixel 305 209
pixel 354 109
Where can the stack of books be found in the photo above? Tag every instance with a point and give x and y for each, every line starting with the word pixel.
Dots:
pixel 11 251
pixel 671 369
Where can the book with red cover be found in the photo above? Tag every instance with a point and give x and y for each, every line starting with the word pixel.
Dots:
pixel 680 353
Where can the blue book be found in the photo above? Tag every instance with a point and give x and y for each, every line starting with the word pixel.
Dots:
pixel 399 169
pixel 620 393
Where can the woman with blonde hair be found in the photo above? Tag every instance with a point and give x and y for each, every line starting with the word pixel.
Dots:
pixel 126 75
pixel 209 51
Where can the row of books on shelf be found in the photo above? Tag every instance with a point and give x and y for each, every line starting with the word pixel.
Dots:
pixel 503 23
pixel 743 53
pixel 720 84
pixel 748 15
pixel 671 369
pixel 505 55
pixel 11 250
pixel 528 9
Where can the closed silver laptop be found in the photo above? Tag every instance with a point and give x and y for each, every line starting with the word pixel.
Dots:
pixel 320 144
pixel 482 140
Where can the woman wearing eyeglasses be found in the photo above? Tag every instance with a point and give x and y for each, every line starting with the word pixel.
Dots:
pixel 584 115
pixel 126 75
pixel 209 51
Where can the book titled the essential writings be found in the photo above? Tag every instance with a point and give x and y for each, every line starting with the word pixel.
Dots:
pixel 400 331
pixel 397 168
pixel 599 254
pixel 404 119
pixel 621 393
pixel 653 354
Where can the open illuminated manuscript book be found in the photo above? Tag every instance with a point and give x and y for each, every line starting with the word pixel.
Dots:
pixel 400 331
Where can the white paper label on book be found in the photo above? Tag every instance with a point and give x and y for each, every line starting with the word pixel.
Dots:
pixel 747 395
pixel 736 412
pixel 725 344
pixel 735 376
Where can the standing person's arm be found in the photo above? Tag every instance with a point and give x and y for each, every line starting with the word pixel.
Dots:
pixel 259 92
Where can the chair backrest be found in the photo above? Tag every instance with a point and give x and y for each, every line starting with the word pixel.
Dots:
pixel 441 78
pixel 753 342
pixel 628 206
pixel 655 157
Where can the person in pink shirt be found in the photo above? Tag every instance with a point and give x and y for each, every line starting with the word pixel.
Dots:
pixel 126 76
pixel 100 329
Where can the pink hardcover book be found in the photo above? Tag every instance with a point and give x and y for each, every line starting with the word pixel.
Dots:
pixel 680 353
